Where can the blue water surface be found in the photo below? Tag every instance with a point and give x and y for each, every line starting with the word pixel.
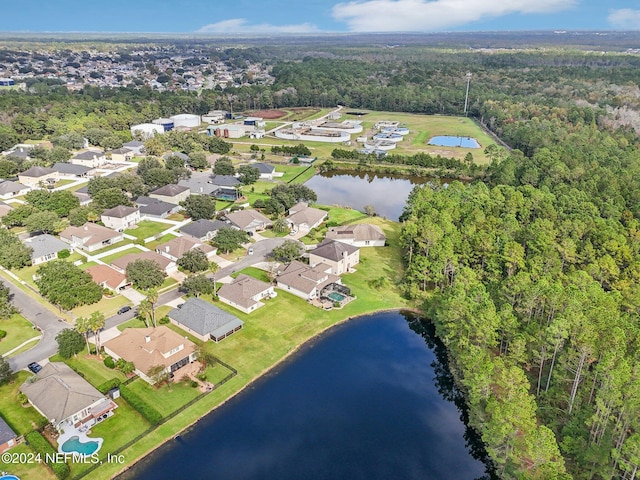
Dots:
pixel 453 141
pixel 359 403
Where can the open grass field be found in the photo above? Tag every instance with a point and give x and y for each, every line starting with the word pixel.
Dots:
pixel 278 328
pixel 108 306
pixel 146 229
pixel 18 329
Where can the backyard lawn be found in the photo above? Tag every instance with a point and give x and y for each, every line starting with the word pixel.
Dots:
pixel 18 329
pixel 26 470
pixel 161 240
pixel 114 256
pixel 21 419
pixel 147 228
pixel 111 247
pixel 253 272
pixel 91 367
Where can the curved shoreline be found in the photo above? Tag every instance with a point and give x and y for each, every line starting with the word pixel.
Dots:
pixel 261 375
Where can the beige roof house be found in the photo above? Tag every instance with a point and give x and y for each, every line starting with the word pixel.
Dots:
pixel 121 217
pixel 302 216
pixel 36 176
pixel 177 247
pixel 4 209
pixel 90 236
pixel 65 398
pixel 341 257
pixel 359 235
pixel 89 158
pixel 171 193
pixel 167 265
pixel 108 277
pixel 249 220
pixel 148 347
pixel 305 281
pixel 245 293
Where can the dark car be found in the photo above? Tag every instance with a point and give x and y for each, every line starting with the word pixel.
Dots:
pixel 35 367
pixel 124 309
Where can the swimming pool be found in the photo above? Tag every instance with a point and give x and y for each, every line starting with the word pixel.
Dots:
pixel 336 297
pixel 73 444
pixel 453 141
pixel 9 477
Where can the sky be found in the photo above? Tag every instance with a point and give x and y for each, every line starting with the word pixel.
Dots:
pixel 316 16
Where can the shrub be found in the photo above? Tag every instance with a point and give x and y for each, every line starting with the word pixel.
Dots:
pixel 201 376
pixel 64 253
pixel 259 203
pixel 108 385
pixel 22 398
pixel 152 415
pixel 193 384
pixel 109 363
pixel 164 320
pixel 124 366
pixel 43 448
pixel 2 334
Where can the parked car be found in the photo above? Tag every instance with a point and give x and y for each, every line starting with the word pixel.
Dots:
pixel 35 367
pixel 293 232
pixel 250 251
pixel 124 309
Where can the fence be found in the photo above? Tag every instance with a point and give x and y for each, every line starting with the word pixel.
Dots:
pixel 233 373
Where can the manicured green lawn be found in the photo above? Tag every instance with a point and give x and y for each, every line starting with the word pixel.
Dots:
pixel 91 367
pixel 111 247
pixel 269 233
pixel 178 217
pixel 167 284
pixel 147 228
pixel 290 171
pixel 110 258
pixel 62 183
pixel 18 329
pixel 86 265
pixel 343 216
pixel 26 274
pixel 27 470
pixel 108 306
pixel 21 419
pixel 164 239
pixel 164 399
pixel 253 272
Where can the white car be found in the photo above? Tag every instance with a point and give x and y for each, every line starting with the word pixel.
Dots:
pixel 250 251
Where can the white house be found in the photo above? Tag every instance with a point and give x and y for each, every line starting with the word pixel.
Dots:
pixel 245 293
pixel 359 235
pixel 36 177
pixel 341 257
pixel 120 218
pixel 44 248
pixel 90 236
pixel 304 281
pixel 89 158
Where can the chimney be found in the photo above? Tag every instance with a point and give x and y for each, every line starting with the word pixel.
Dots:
pixel 147 339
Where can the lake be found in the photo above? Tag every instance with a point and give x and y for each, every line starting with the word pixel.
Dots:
pixel 453 141
pixel 387 193
pixel 361 402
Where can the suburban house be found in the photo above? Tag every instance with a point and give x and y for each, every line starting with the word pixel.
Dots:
pixel 358 235
pixel 7 436
pixel 65 398
pixel 182 156
pixel 9 189
pixel 120 218
pixel 23 153
pixel 224 181
pixel 89 158
pixel 4 209
pixel 108 277
pixel 204 320
pixel 245 293
pixel 167 265
pixel 303 217
pixel 249 220
pixel 83 195
pixel 69 170
pixel 152 207
pixel 150 347
pixel 171 193
pixel 304 281
pixel 174 249
pixel 341 257
pixel 267 171
pixel 90 236
pixel 203 229
pixel 199 185
pixel 120 155
pixel 44 248
pixel 136 146
pixel 36 177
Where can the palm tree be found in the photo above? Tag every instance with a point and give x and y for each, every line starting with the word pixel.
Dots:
pixel 213 268
pixel 83 327
pixel 152 298
pixel 144 311
pixel 96 323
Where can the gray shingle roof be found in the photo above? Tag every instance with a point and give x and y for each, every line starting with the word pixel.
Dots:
pixel 156 207
pixel 170 190
pixel 70 168
pixel 205 318
pixel 36 172
pixel 44 245
pixel 10 187
pixel 6 433
pixel 332 250
pixel 119 212
pixel 89 155
pixel 263 167
pixel 200 228
pixel 224 180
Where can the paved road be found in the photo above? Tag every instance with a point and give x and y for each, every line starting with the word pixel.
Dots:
pixel 52 325
pixel 47 322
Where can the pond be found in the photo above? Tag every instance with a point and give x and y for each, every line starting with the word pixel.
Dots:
pixel 361 402
pixel 387 193
pixel 453 141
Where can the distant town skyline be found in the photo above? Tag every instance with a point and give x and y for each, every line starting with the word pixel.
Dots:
pixel 317 16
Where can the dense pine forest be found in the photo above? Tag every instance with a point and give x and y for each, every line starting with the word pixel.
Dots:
pixel 530 273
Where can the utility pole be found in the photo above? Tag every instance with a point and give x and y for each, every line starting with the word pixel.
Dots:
pixel 466 97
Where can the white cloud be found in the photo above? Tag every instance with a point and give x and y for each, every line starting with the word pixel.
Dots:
pixel 624 19
pixel 241 25
pixel 432 15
